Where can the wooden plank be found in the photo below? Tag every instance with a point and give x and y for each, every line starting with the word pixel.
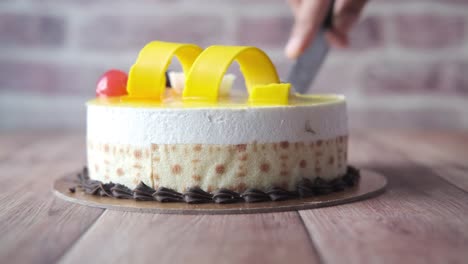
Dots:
pixel 446 154
pixel 35 226
pixel 42 231
pixel 420 219
pixel 54 147
pixel 405 177
pixel 151 238
pixel 39 163
pixel 12 142
pixel 432 148
pixel 455 175
pixel 353 235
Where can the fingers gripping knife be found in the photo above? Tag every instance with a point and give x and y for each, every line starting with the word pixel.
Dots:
pixel 308 64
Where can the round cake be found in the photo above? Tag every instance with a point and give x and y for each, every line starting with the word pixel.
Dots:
pixel 208 140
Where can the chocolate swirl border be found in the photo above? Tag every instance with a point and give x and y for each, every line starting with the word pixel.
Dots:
pixel 304 188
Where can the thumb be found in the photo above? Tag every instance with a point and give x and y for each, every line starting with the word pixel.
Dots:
pixel 308 20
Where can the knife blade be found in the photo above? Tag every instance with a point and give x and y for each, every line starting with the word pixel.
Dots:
pixel 307 66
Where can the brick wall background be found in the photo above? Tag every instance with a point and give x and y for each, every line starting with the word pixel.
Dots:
pixel 407 66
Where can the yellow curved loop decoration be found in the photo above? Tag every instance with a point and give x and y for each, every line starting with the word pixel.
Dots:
pixel 262 82
pixel 146 79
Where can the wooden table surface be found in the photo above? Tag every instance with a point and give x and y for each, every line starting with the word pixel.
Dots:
pixel 422 217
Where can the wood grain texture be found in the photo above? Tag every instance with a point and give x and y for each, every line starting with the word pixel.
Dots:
pixel 447 156
pixel 455 175
pixel 435 148
pixel 355 235
pixel 12 142
pixel 40 231
pixel 35 226
pixel 123 237
pixel 420 219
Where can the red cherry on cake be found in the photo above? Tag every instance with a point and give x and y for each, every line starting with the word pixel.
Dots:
pixel 112 83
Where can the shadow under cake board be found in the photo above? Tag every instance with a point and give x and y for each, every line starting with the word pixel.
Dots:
pixel 371 184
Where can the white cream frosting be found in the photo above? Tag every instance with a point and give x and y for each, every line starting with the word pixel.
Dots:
pixel 141 126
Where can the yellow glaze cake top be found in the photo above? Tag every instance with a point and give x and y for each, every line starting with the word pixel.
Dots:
pixel 173 100
pixel 204 71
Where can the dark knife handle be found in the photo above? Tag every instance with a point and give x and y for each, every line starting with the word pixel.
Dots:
pixel 328 22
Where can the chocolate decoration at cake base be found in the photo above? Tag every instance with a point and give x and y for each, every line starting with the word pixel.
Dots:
pixel 223 201
pixel 195 195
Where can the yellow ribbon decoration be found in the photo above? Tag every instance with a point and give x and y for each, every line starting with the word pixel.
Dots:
pixel 146 79
pixel 262 82
pixel 204 71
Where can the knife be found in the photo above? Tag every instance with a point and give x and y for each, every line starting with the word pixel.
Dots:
pixel 306 67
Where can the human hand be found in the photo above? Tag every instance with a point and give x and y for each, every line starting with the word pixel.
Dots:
pixel 309 16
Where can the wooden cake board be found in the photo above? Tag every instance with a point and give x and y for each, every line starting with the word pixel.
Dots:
pixel 371 184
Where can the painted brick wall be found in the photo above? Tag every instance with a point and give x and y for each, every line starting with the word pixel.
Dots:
pixel 407 66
